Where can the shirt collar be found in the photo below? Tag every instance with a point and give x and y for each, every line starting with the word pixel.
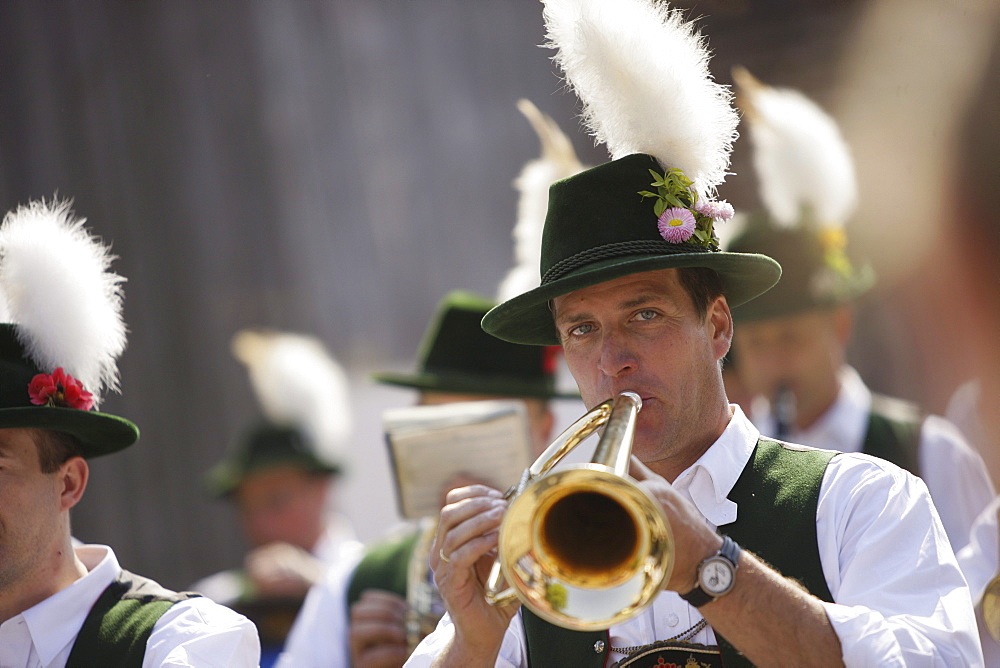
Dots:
pixel 708 481
pixel 55 622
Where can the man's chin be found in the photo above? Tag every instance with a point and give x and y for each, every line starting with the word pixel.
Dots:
pixel 645 447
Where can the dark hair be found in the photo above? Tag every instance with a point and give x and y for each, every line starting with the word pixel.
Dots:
pixel 702 284
pixel 54 448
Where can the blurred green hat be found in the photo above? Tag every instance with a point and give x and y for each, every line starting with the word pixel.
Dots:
pixel 816 270
pixel 457 356
pixel 62 331
pixel 301 391
pixel 805 175
pixel 263 447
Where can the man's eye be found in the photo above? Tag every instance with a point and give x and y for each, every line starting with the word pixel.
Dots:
pixel 645 314
pixel 580 330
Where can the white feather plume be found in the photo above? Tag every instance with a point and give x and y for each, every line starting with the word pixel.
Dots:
pixel 557 161
pixel 58 289
pixel 801 159
pixel 642 75
pixel 298 383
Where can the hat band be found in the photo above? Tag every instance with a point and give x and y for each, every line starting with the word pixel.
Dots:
pixel 617 249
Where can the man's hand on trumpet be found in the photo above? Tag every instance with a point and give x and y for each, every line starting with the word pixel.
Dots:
pixel 694 540
pixel 462 556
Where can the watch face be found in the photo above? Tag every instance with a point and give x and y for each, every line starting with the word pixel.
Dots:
pixel 716 576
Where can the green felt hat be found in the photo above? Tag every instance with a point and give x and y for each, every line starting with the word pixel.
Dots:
pixel 63 330
pixel 816 270
pixel 599 228
pixel 262 447
pixel 98 433
pixel 457 356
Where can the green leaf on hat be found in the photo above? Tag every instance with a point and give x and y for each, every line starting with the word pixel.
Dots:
pixel 673 201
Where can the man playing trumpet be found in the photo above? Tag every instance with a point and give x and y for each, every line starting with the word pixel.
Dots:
pixel 784 555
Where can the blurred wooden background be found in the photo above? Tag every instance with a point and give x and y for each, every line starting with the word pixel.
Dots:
pixel 334 167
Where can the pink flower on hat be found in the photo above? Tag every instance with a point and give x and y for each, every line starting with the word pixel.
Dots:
pixel 676 225
pixel 721 210
pixel 59 389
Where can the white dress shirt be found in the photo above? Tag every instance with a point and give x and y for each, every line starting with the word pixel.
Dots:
pixel 954 472
pixel 980 562
pixel 195 632
pixel 900 599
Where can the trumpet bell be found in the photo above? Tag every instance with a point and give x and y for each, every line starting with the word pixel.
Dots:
pixel 601 555
pixel 584 547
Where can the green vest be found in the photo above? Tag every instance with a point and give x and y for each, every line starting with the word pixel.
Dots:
pixel 384 567
pixel 779 487
pixel 120 622
pixel 894 432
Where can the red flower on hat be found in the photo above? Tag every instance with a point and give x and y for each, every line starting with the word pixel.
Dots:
pixel 59 389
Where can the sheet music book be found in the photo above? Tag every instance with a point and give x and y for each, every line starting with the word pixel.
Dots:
pixel 430 445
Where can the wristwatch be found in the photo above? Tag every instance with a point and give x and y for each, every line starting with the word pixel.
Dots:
pixel 716 575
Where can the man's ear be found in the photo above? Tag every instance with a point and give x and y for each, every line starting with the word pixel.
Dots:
pixel 720 321
pixel 72 476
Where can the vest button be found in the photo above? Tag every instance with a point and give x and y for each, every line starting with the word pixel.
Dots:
pixel 672 620
pixel 598 647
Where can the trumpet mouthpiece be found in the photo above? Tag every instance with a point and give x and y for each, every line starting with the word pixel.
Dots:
pixel 635 397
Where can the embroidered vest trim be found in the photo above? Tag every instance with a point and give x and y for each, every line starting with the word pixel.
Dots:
pixel 780 488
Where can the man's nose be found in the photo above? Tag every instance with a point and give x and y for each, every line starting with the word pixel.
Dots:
pixel 617 358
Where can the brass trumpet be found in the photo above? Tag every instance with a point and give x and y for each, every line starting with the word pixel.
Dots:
pixel 585 547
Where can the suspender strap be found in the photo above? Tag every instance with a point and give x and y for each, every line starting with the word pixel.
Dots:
pixel 551 646
pixel 777 495
pixel 120 622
